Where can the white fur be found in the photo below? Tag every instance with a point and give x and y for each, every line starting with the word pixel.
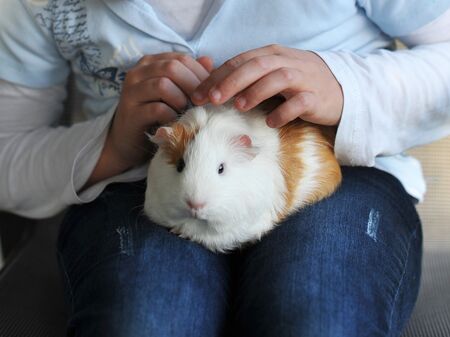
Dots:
pixel 246 201
pixel 242 204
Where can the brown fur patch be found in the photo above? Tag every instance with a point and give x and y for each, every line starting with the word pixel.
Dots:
pixel 329 176
pixel 179 139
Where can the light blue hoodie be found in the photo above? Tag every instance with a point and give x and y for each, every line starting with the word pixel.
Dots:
pixel 101 39
pixel 42 41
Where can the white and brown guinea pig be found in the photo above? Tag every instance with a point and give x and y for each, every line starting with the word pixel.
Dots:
pixel 223 178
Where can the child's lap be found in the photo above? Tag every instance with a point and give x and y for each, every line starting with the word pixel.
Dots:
pixel 124 274
pixel 118 264
pixel 346 266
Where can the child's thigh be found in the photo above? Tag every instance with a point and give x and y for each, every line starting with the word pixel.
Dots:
pixel 346 266
pixel 126 276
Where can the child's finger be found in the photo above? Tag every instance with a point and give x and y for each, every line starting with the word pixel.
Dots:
pixel 197 68
pixel 207 63
pixel 200 96
pixel 173 69
pixel 157 113
pixel 158 89
pixel 268 86
pixel 298 105
pixel 244 76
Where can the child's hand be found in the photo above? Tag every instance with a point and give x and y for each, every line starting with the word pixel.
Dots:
pixel 157 87
pixel 153 92
pixel 301 77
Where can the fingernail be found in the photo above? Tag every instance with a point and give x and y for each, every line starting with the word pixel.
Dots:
pixel 198 96
pixel 270 122
pixel 240 102
pixel 215 94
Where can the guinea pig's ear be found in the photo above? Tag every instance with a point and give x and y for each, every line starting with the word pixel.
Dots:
pixel 245 145
pixel 162 135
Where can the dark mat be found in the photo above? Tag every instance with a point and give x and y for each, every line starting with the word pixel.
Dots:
pixel 31 295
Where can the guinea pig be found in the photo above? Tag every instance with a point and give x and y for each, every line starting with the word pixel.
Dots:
pixel 223 178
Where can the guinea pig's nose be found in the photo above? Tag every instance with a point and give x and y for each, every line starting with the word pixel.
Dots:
pixel 195 205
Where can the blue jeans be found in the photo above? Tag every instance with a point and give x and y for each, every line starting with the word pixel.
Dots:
pixel 348 266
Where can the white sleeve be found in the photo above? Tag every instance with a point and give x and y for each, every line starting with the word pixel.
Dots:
pixel 394 100
pixel 42 167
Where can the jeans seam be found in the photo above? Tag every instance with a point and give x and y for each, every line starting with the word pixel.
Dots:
pixel 400 284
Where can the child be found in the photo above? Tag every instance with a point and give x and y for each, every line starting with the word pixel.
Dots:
pixel 347 266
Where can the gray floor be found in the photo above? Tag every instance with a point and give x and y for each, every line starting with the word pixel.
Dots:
pixel 431 317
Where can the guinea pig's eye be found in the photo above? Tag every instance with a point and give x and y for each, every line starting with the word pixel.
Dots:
pixel 221 168
pixel 180 165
